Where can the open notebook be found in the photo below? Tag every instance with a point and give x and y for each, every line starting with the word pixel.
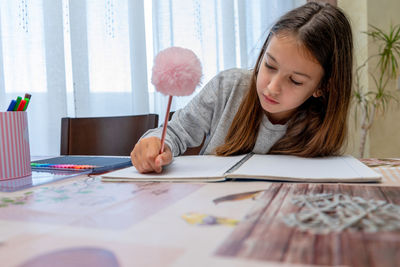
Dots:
pixel 251 166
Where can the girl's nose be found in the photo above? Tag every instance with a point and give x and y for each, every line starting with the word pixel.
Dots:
pixel 274 87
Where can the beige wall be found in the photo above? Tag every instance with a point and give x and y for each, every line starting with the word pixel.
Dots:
pixel 385 133
pixel 357 13
pixel 384 137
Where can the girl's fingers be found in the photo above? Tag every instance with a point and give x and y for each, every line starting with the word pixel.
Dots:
pixel 146 158
pixel 166 157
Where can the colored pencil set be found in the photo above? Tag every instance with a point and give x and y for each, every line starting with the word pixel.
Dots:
pixel 20 104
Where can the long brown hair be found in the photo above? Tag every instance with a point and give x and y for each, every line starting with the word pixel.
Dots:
pixel 319 125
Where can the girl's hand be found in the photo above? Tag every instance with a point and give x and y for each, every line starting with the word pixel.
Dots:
pixel 146 155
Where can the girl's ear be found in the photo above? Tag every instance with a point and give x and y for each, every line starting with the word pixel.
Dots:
pixel 317 93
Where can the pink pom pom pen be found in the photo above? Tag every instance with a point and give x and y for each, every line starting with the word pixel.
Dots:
pixel 176 72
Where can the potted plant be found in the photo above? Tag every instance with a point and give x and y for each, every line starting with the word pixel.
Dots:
pixel 371 102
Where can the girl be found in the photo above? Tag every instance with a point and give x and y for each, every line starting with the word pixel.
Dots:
pixel 295 101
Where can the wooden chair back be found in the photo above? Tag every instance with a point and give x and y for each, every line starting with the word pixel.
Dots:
pixel 114 136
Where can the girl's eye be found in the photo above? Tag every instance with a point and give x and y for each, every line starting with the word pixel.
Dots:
pixel 269 66
pixel 295 82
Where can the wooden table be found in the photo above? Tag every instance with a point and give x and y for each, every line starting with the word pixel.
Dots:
pixel 85 222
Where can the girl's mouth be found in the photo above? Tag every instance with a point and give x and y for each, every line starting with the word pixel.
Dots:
pixel 270 100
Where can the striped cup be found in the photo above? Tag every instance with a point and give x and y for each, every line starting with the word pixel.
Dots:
pixel 14 145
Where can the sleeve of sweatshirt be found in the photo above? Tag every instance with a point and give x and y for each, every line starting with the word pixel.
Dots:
pixel 190 124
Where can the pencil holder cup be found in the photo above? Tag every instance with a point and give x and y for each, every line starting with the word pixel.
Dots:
pixel 14 145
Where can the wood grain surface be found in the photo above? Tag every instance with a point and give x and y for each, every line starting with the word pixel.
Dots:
pixel 262 235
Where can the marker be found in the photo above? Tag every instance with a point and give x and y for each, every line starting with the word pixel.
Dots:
pixel 26 103
pixel 27 97
pixel 12 105
pixel 17 104
pixel 21 105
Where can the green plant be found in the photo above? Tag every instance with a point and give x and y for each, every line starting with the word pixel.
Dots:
pixel 370 102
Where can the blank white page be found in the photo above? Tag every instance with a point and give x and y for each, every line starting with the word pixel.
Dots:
pixel 183 168
pixel 292 168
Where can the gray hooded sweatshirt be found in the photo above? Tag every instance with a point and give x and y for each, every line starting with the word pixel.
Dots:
pixel 210 113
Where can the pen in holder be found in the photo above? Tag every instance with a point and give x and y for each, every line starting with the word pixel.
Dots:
pixel 14 145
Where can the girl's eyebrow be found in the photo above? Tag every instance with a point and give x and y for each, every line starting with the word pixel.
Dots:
pixel 295 72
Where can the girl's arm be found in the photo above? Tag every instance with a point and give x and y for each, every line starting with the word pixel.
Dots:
pixel 190 124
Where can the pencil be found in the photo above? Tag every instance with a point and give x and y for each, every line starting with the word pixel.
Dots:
pixel 165 124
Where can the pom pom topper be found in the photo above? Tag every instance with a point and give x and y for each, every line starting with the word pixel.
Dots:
pixel 176 72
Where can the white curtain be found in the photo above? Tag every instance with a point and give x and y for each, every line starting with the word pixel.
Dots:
pixel 88 58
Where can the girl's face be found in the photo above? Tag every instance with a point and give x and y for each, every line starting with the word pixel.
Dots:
pixel 287 77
